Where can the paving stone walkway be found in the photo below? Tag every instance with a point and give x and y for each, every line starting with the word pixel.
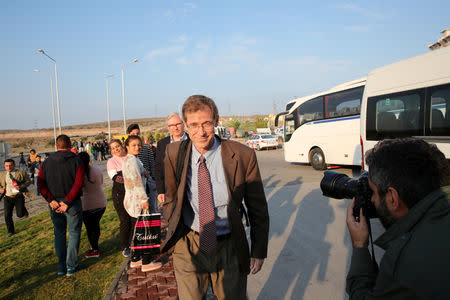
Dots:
pixel 154 285
pixel 132 283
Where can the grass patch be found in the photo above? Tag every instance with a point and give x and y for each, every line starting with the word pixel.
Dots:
pixel 29 263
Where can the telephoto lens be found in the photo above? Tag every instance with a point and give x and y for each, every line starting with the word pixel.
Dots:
pixel 337 185
pixel 340 186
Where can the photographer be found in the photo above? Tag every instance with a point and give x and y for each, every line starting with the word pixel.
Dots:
pixel 405 176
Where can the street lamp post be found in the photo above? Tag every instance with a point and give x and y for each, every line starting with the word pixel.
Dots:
pixel 56 87
pixel 53 103
pixel 123 96
pixel 107 104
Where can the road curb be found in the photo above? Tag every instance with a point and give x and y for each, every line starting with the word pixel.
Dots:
pixel 112 288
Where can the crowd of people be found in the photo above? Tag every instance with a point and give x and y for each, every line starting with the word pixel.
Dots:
pixel 205 185
pixel 97 150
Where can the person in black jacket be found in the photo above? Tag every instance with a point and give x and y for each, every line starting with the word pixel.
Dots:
pixel 176 130
pixel 60 182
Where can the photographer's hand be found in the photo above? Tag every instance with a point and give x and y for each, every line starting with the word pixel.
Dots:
pixel 359 231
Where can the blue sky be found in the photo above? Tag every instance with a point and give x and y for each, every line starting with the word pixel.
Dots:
pixel 246 55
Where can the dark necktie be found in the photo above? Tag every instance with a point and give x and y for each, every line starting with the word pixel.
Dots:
pixel 208 239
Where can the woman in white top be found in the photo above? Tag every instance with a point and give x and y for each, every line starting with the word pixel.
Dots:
pixel 114 169
pixel 136 198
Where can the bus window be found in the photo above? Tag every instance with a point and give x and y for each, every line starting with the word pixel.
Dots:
pixel 289 127
pixel 310 110
pixel 440 100
pixel 344 103
pixel 391 116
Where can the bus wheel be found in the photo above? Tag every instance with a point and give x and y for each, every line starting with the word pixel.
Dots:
pixel 317 159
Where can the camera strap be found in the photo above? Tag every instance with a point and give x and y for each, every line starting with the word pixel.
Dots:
pixel 374 261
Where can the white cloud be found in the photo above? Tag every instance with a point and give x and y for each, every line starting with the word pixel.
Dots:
pixel 180 39
pixel 360 10
pixel 306 64
pixel 190 5
pixel 357 28
pixel 164 51
pixel 168 13
pixel 203 46
pixel 182 61
pixel 183 10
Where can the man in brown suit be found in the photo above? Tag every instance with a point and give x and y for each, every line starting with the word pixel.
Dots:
pixel 205 229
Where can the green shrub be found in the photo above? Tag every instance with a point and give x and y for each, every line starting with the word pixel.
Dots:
pixel 100 136
pixel 235 123
pixel 150 137
pixel 260 122
pixel 24 143
pixel 50 142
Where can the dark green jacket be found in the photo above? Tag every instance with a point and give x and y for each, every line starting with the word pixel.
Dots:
pixel 416 264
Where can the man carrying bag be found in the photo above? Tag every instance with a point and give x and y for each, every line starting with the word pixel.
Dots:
pixel 13 183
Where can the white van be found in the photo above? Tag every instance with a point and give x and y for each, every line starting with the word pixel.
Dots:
pixel 409 98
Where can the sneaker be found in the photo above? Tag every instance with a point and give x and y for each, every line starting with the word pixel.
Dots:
pixel 92 253
pixel 151 266
pixel 10 234
pixel 126 252
pixel 24 216
pixel 71 271
pixel 60 273
pixel 136 264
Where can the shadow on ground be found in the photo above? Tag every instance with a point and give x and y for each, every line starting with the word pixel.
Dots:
pixel 305 223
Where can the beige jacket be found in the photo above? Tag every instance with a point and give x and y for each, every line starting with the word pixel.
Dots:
pixel 22 178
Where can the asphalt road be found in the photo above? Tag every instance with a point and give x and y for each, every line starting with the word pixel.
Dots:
pixel 309 246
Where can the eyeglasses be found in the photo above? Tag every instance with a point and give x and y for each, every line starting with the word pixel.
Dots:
pixel 207 126
pixel 175 125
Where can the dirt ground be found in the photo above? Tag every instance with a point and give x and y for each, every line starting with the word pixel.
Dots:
pixel 42 139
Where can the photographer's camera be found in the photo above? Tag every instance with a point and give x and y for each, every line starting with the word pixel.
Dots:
pixel 340 186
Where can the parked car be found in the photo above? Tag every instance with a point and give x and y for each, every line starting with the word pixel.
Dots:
pixel 262 141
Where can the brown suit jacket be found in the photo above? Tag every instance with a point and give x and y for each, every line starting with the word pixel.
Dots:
pixel 244 183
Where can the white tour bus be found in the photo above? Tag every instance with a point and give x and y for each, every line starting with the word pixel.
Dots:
pixel 323 128
pixel 409 98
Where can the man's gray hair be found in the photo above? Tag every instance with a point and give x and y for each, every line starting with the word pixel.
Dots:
pixel 173 114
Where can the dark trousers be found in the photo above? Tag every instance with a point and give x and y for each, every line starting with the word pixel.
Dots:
pixel 125 227
pixel 91 220
pixel 21 211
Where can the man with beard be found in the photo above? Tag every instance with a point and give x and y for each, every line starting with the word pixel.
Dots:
pixel 409 179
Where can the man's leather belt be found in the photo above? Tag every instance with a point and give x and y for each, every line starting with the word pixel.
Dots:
pixel 219 237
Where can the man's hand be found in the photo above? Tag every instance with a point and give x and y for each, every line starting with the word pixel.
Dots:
pixel 54 205
pixel 161 198
pixel 146 174
pixel 2 190
pixel 62 208
pixel 145 205
pixel 255 264
pixel 359 231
